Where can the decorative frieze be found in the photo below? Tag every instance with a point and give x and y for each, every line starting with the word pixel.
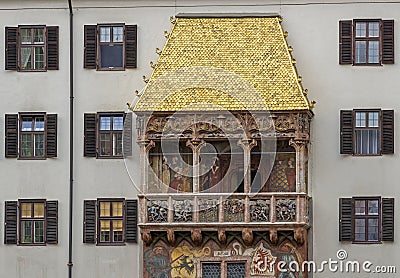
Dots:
pixel 285 210
pixel 234 210
pixel 157 211
pixel 183 210
pixel 259 210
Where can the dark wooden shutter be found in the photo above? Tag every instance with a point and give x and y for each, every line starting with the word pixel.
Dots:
pixel 11 132
pixel 52 47
pixel 388 41
pixel 131 221
pixel 10 224
pixel 130 46
pixel 345 42
pixel 346 132
pixel 388 219
pixel 127 138
pixel 11 48
pixel 346 219
pixel 52 222
pixel 51 135
pixel 90 44
pixel 90 135
pixel 89 221
pixel 387 132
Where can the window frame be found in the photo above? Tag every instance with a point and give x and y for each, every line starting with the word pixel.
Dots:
pixel 367 39
pixel 224 265
pixel 111 218
pixel 99 44
pixel 379 128
pixel 32 132
pixel 99 115
pixel 31 45
pixel 366 217
pixel 32 219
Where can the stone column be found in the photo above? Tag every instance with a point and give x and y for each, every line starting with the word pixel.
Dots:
pixel 247 145
pixel 300 147
pixel 196 145
pixel 145 147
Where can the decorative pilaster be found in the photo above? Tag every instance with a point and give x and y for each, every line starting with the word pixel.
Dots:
pixel 300 147
pixel 247 145
pixel 196 145
pixel 145 147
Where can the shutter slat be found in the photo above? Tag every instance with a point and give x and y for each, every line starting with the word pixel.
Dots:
pixel 90 47
pixel 10 225
pixel 388 41
pixel 346 219
pixel 89 221
pixel 131 221
pixel 387 131
pixel 388 219
pixel 52 48
pixel 52 222
pixel 127 138
pixel 11 132
pixel 131 46
pixel 346 132
pixel 89 135
pixel 51 135
pixel 11 37
pixel 345 42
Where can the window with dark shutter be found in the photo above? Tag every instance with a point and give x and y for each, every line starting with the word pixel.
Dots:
pixel 346 132
pixel 10 225
pixel 345 42
pixel 131 46
pixel 387 132
pixel 388 219
pixel 11 48
pixel 52 47
pixel 90 135
pixel 127 135
pixel 52 222
pixel 131 221
pixel 388 41
pixel 11 132
pixel 345 220
pixel 89 221
pixel 51 135
pixel 90 47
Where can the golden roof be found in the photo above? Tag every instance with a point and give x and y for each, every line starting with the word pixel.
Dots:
pixel 224 63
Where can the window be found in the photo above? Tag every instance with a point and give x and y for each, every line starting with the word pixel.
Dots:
pixel 223 269
pixel 367 132
pixel 31 135
pixel 366 42
pixel 108 135
pixel 32 48
pixel 366 219
pixel 115 221
pixel 110 46
pixel 31 222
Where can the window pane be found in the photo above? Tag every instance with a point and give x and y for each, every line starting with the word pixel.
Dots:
pixel 117 230
pixel 26 231
pixel 39 231
pixel 39 124
pixel 26 145
pixel 104 34
pixel 359 233
pixel 118 123
pixel 39 57
pixel 26 210
pixel 367 141
pixel 236 270
pixel 373 30
pixel 39 145
pixel 38 210
pixel 117 142
pixel 105 209
pixel 118 34
pixel 211 270
pixel 373 119
pixel 361 119
pixel 373 231
pixel 361 29
pixel 373 207
pixel 105 230
pixel 26 124
pixel 26 37
pixel 373 52
pixel 38 35
pixel 117 208
pixel 111 56
pixel 26 58
pixel 359 207
pixel 105 144
pixel 105 123
pixel 361 52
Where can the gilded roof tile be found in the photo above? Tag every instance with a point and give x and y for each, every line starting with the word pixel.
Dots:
pixel 224 63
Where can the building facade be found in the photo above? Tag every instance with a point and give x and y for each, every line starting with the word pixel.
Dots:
pixel 330 184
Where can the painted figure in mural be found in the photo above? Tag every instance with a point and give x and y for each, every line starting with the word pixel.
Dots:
pixel 262 262
pixel 156 263
pixel 177 181
pixel 291 175
pixel 278 180
pixel 204 179
pixel 166 174
pixel 288 258
pixel 215 173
